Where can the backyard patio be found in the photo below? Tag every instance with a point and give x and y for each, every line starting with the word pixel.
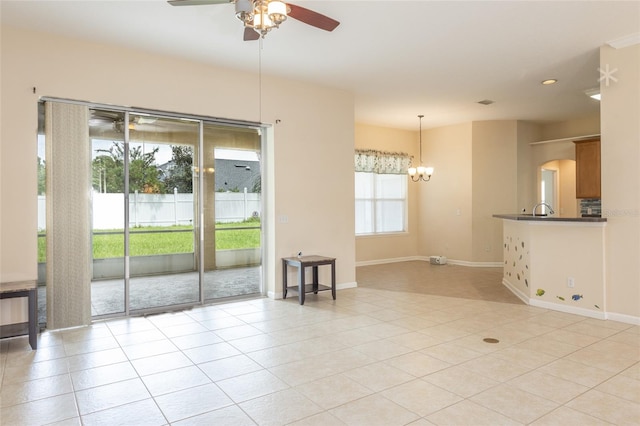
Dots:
pixel 158 291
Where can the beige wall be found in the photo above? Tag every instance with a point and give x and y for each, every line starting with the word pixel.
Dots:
pixel 567 189
pixel 401 245
pixel 476 176
pixel 445 203
pixel 580 246
pixel 620 148
pixel 309 161
pixel 579 126
pixel 532 272
pixel 527 195
pixel 494 185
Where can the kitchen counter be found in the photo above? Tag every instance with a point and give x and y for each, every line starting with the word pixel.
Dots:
pixel 556 262
pixel 549 218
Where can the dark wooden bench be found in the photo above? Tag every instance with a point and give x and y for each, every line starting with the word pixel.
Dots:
pixel 27 289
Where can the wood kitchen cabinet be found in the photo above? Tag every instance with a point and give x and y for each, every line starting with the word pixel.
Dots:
pixel 588 168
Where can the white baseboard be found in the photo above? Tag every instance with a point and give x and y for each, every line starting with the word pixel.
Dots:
pixel 628 319
pixel 513 289
pixel 568 309
pixel 345 286
pixel 476 264
pixel 426 259
pixel 612 316
pixel 392 260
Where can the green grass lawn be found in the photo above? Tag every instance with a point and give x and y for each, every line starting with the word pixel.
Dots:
pixel 152 240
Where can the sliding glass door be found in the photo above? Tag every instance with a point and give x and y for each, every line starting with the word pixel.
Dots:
pixel 163 209
pixel 144 212
pixel 175 211
pixel 108 153
pixel 232 213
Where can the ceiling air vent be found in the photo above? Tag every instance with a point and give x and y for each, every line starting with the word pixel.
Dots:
pixel 486 102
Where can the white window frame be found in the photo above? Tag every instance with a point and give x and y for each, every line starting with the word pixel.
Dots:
pixel 375 202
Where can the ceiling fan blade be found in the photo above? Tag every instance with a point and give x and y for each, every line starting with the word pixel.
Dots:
pixel 196 2
pixel 312 18
pixel 250 34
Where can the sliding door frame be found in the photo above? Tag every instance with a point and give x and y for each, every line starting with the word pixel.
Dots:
pixel 127 248
pixel 202 120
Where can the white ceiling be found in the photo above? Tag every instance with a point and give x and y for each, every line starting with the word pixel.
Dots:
pixel 399 58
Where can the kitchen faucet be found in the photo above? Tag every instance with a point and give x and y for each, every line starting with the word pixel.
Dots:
pixel 533 211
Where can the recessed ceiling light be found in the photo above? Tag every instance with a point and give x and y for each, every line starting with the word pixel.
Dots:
pixel 549 81
pixel 486 102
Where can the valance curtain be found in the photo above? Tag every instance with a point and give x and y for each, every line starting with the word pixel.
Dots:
pixel 372 161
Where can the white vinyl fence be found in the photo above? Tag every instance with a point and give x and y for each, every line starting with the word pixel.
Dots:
pixel 162 209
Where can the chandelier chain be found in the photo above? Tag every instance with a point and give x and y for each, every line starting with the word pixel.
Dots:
pixel 420 173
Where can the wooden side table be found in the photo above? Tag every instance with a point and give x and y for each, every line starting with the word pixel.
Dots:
pixel 27 289
pixel 301 263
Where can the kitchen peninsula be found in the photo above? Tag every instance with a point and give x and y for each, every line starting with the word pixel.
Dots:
pixel 556 262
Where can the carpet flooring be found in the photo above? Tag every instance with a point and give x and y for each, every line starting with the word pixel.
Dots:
pixel 439 280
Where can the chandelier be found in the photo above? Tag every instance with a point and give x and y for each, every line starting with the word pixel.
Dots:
pixel 261 15
pixel 420 173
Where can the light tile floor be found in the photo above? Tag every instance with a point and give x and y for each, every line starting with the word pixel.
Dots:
pixel 390 352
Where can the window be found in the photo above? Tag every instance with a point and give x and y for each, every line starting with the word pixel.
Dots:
pixel 380 192
pixel 381 201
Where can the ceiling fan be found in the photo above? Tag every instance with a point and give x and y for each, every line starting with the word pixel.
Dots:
pixel 261 16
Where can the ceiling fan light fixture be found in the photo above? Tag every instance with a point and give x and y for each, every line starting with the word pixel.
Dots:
pixel 262 22
pixel 277 11
pixel 244 10
pixel 262 15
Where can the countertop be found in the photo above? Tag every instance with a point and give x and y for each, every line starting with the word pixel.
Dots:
pixel 549 218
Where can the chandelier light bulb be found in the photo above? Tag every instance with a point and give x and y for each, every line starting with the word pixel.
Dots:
pixel 277 12
pixel 244 10
pixel 262 21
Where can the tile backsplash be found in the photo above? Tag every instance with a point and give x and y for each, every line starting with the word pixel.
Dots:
pixel 590 206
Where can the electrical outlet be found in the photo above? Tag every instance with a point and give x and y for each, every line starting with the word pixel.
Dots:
pixel 571 282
